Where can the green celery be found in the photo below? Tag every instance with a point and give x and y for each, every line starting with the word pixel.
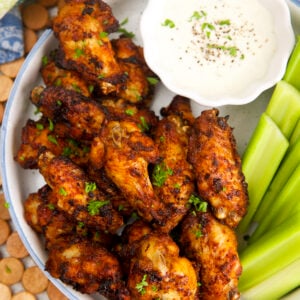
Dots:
pixel 288 165
pixel 292 73
pixel 277 285
pixel 273 252
pixel 284 107
pixel 295 134
pixel 260 161
pixel 283 205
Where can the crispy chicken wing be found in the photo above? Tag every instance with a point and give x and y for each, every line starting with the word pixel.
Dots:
pixel 213 246
pixel 173 177
pixel 128 152
pixel 131 60
pixel 55 75
pixel 82 28
pixel 157 271
pixel 88 267
pixel 76 195
pixel 217 165
pixel 44 134
pixel 82 116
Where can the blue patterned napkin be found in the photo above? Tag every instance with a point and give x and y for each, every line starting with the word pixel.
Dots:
pixel 11 36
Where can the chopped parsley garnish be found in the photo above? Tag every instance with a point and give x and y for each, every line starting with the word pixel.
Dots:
pixel 198 203
pixel 62 191
pixel 78 52
pixel 51 125
pixel 51 206
pixel 168 23
pixel 198 232
pixel 45 60
pixel 224 22
pixel 141 285
pixel 95 205
pixel 152 80
pixel 39 126
pixel 197 15
pixel 6 205
pixel 52 139
pixel 129 112
pixel 143 125
pixel 90 187
pixel 160 174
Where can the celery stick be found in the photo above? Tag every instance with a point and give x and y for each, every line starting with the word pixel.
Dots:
pixel 292 73
pixel 263 155
pixel 293 295
pixel 285 203
pixel 288 165
pixel 274 251
pixel 284 107
pixel 295 134
pixel 276 285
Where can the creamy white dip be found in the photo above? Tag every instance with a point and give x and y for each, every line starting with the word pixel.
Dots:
pixel 218 46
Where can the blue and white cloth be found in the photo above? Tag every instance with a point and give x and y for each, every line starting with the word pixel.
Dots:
pixel 11 36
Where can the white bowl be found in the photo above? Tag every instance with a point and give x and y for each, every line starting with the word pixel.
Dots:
pixel 235 88
pixel 18 183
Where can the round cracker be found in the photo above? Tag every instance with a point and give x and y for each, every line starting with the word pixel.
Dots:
pixel 15 246
pixel 5 292
pixel 11 270
pixel 11 69
pixel 4 231
pixel 54 293
pixel 5 87
pixel 34 280
pixel 35 16
pixel 23 296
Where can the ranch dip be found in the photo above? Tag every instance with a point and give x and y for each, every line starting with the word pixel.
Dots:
pixel 220 46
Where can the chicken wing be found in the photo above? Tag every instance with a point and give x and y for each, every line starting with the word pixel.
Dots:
pixel 157 271
pixel 82 116
pixel 214 247
pixel 173 177
pixel 128 152
pixel 217 166
pixel 76 195
pixel 88 267
pixel 131 60
pixel 54 75
pixel 82 28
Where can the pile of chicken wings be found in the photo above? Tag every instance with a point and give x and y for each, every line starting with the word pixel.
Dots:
pixel 135 205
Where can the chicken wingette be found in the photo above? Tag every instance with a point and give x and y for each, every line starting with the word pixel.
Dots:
pixel 157 271
pixel 173 177
pixel 217 166
pixel 82 28
pixel 76 195
pixel 128 152
pixel 213 246
pixel 82 116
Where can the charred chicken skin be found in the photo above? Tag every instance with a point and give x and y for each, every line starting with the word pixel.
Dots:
pixel 82 28
pixel 77 195
pixel 217 166
pixel 213 246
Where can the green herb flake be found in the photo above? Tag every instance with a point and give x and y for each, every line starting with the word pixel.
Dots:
pixel 143 125
pixel 8 269
pixel 39 126
pixel 197 15
pixel 90 187
pixel 141 285
pixel 51 125
pixel 6 205
pixel 45 60
pixel 91 88
pixel 198 203
pixel 95 205
pixel 124 22
pixel 224 22
pixel 168 23
pixel 129 112
pixel 52 139
pixel 76 87
pixel 67 151
pixel 78 52
pixel 198 233
pixel 58 102
pixel 51 206
pixel 160 174
pixel 80 224
pixel 62 191
pixel 152 80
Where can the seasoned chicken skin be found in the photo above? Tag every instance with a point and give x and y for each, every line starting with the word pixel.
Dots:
pixel 76 195
pixel 173 177
pixel 217 166
pixel 157 271
pixel 82 28
pixel 213 246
